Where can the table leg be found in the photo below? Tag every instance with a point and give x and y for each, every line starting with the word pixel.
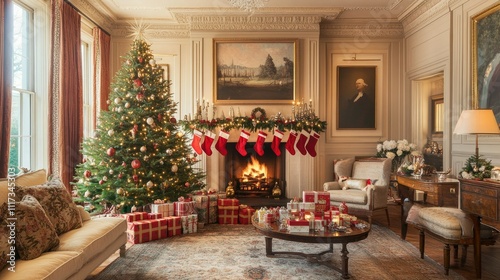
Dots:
pixel 269 246
pixel 345 259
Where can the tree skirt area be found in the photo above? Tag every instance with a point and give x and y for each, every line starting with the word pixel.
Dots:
pixel 238 252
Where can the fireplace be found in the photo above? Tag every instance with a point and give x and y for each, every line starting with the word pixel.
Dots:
pixel 254 175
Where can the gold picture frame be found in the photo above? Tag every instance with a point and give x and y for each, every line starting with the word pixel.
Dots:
pixel 486 60
pixel 254 71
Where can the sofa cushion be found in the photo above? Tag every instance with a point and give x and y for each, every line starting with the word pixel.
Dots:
pixel 93 236
pixel 353 196
pixel 35 233
pixel 57 203
pixel 54 265
pixel 342 168
pixel 27 179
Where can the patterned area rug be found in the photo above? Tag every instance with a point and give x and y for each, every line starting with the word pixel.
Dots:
pixel 238 252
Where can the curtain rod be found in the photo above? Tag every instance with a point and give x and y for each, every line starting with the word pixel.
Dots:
pixel 85 16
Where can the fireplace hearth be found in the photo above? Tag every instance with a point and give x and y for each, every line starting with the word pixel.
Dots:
pixel 254 175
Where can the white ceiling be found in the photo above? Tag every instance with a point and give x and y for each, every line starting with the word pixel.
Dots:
pixel 163 10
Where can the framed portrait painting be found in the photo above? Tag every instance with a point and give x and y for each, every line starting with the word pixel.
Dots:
pixel 356 97
pixel 248 71
pixel 486 60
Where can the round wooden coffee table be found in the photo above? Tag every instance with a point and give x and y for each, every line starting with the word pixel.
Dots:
pixel 352 234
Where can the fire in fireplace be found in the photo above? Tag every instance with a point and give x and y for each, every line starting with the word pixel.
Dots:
pixel 254 175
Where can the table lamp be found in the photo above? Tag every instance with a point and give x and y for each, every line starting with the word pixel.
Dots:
pixel 475 122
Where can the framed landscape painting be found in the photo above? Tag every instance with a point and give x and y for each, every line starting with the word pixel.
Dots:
pixel 356 97
pixel 250 71
pixel 486 60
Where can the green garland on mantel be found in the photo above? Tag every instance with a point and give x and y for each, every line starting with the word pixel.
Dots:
pixel 257 122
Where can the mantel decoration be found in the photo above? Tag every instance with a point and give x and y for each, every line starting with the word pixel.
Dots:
pixel 303 121
pixel 397 150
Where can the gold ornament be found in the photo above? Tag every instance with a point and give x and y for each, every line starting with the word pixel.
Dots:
pixel 230 190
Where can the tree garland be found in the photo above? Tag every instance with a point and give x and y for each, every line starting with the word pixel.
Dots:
pixel 255 123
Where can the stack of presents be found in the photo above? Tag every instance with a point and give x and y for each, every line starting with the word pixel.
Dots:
pixel 185 216
pixel 314 212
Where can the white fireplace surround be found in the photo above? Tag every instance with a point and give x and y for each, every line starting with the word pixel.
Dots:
pixel 299 169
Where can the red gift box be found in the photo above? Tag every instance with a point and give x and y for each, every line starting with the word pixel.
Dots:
pixel 152 216
pixel 228 210
pixel 321 199
pixel 136 216
pixel 245 214
pixel 146 230
pixel 173 226
pixel 183 208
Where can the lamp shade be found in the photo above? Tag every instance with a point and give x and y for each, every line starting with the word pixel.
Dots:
pixel 480 121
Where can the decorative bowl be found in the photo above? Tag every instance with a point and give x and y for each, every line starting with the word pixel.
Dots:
pixel 442 174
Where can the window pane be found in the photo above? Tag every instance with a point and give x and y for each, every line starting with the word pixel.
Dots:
pixel 22 64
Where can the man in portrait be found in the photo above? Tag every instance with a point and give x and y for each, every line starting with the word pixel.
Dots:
pixel 358 111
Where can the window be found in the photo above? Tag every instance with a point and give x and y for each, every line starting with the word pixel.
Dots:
pixel 88 100
pixel 29 90
pixel 22 90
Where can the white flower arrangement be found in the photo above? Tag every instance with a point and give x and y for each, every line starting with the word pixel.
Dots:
pixel 397 150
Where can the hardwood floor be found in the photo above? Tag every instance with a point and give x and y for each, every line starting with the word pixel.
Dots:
pixel 433 249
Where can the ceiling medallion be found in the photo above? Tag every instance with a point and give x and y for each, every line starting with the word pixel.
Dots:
pixel 248 5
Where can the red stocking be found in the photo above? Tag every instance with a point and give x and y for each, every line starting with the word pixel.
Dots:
pixel 207 143
pixel 311 143
pixel 290 143
pixel 221 142
pixel 276 142
pixel 242 141
pixel 301 144
pixel 196 141
pixel 259 145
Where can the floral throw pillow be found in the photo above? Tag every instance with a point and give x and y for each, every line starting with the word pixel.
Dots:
pixel 4 243
pixel 57 203
pixel 35 233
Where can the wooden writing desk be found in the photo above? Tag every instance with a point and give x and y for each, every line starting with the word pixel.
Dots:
pixel 436 193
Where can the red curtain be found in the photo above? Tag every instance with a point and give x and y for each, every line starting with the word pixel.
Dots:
pixel 66 90
pixel 102 77
pixel 6 53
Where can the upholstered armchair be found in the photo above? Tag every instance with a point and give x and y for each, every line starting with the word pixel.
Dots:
pixel 350 185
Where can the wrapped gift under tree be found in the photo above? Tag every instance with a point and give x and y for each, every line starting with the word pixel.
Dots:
pixel 228 210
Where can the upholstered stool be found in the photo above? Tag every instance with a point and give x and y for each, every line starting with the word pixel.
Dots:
pixel 450 226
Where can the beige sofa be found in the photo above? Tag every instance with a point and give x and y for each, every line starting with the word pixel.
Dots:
pixel 350 185
pixel 79 251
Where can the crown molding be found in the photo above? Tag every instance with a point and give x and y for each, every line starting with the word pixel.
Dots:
pixel 423 12
pixel 96 12
pixel 362 28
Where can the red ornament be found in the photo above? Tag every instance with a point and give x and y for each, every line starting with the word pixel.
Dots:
pixel 139 96
pixel 140 59
pixel 136 128
pixel 173 120
pixel 124 164
pixel 160 117
pixel 155 146
pixel 111 152
pixel 187 184
pixel 87 173
pixel 135 177
pixel 137 82
pixel 136 163
pixel 101 182
pixel 120 175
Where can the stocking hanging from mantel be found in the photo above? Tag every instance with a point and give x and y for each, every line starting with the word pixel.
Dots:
pixel 221 142
pixel 242 141
pixel 259 144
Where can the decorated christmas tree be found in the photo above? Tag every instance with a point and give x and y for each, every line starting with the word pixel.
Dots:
pixel 138 153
